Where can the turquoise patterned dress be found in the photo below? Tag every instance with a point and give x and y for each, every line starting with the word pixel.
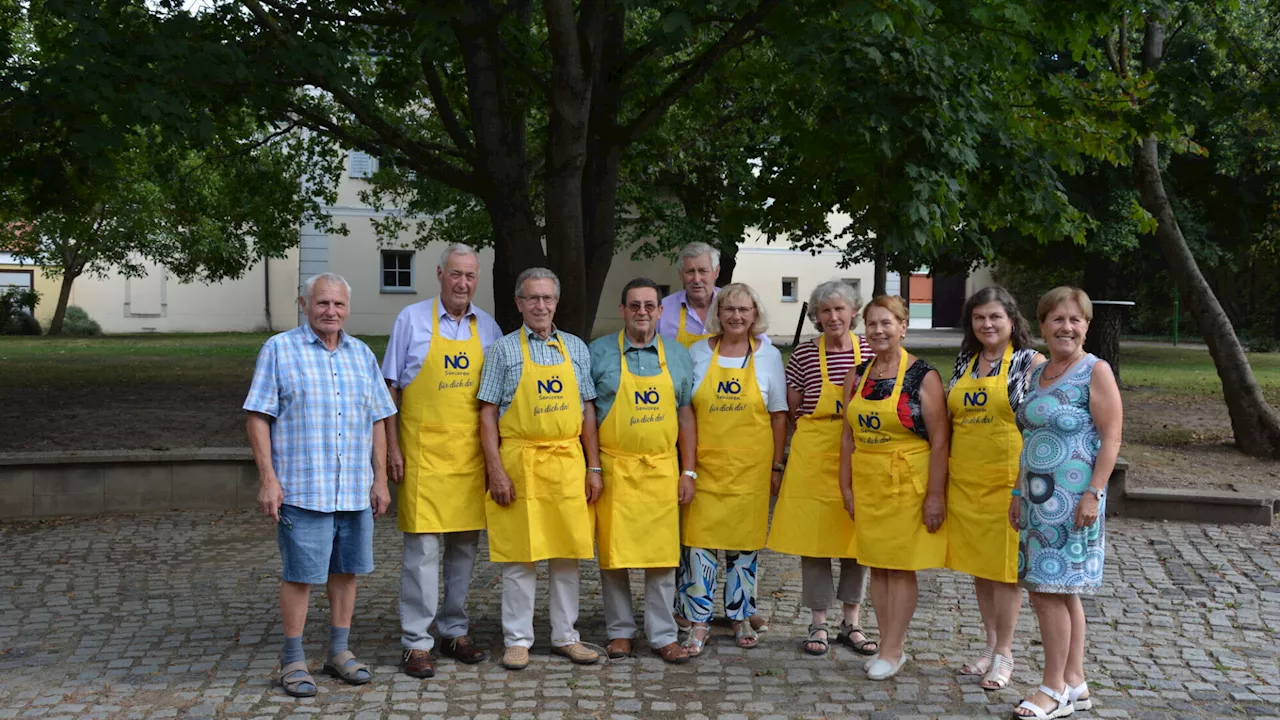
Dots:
pixel 1059 446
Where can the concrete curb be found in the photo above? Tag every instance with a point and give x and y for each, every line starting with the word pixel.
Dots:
pixel 91 482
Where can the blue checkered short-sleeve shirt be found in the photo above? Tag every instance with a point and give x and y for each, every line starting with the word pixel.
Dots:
pixel 324 405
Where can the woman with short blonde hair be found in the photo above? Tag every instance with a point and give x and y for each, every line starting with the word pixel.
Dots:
pixel 740 403
pixel 1071 421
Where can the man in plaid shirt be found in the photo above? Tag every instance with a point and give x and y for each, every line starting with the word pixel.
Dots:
pixel 315 411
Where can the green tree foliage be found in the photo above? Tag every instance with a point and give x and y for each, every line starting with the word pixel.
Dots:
pixel 117 160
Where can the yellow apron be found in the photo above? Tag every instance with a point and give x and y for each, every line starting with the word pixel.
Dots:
pixel 809 518
pixel 542 455
pixel 443 489
pixel 985 447
pixel 730 510
pixel 890 477
pixel 638 514
pixel 686 338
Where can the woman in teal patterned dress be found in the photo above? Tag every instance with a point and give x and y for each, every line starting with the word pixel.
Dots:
pixel 1071 423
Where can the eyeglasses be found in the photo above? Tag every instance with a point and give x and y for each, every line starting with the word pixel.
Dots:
pixel 730 310
pixel 647 307
pixel 539 299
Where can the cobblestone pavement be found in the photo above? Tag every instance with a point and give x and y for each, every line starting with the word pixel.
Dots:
pixel 174 615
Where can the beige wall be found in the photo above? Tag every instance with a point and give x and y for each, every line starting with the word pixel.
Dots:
pixel 763 266
pixel 47 287
pixel 157 302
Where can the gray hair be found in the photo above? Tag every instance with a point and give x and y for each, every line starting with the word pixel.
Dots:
pixel 536 273
pixel 737 290
pixel 831 291
pixel 697 250
pixel 309 286
pixel 456 249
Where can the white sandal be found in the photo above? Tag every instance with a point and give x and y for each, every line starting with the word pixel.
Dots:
pixel 882 669
pixel 1064 708
pixel 997 678
pixel 983 665
pixel 1080 703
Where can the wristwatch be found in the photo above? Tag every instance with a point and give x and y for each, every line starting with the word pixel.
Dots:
pixel 1100 493
pixel 596 470
pixel 779 467
pixel 690 473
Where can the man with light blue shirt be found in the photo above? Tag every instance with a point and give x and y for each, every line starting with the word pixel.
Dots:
pixel 315 408
pixel 432 366
pixel 644 387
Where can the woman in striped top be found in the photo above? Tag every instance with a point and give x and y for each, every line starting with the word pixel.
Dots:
pixel 809 519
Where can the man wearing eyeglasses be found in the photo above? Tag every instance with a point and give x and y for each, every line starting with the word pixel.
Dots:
pixel 538 431
pixel 644 387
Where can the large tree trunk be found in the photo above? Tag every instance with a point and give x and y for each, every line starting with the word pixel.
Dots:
pixel 569 109
pixel 1255 424
pixel 880 278
pixel 64 297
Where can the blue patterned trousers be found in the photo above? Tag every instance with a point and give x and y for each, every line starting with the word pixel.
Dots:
pixel 696 583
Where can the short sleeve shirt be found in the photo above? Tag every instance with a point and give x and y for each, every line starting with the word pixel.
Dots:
pixel 323 404
pixel 503 364
pixel 768 368
pixel 606 368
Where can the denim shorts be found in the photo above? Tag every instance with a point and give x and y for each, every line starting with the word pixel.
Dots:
pixel 314 545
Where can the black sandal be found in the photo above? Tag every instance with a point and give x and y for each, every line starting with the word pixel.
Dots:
pixel 845 637
pixel 815 640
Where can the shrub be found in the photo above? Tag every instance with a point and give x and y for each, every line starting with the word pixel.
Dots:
pixel 77 322
pixel 16 308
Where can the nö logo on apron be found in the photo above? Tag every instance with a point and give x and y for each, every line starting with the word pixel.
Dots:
pixel 457 362
pixel 729 387
pixel 551 387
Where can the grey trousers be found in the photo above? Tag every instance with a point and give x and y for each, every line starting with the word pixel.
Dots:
pixel 520 583
pixel 816 582
pixel 659 594
pixel 421 602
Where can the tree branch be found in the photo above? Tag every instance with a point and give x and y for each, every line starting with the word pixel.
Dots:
pixel 419 154
pixel 445 108
pixel 735 36
pixel 1112 59
pixel 1124 44
pixel 402 20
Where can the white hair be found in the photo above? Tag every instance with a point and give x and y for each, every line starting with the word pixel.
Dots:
pixel 536 273
pixel 697 250
pixel 737 290
pixel 308 287
pixel 456 249
pixel 833 291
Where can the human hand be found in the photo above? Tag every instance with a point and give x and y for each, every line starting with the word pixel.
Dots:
pixel 1015 512
pixel 686 490
pixel 935 511
pixel 848 502
pixel 270 497
pixel 395 464
pixel 380 498
pixel 1087 510
pixel 501 489
pixel 595 485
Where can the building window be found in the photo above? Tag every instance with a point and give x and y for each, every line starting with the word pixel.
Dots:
pixel 361 164
pixel 16 278
pixel 397 271
pixel 663 291
pixel 790 291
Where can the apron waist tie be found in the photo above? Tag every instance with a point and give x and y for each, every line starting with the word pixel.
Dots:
pixel 543 444
pixel 649 459
pixel 899 464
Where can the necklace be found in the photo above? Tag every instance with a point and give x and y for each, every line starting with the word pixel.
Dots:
pixel 1070 361
pixel 881 372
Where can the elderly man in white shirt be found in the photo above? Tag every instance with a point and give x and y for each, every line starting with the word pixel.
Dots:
pixel 432 367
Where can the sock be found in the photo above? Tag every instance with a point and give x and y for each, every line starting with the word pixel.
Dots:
pixel 292 651
pixel 338 639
